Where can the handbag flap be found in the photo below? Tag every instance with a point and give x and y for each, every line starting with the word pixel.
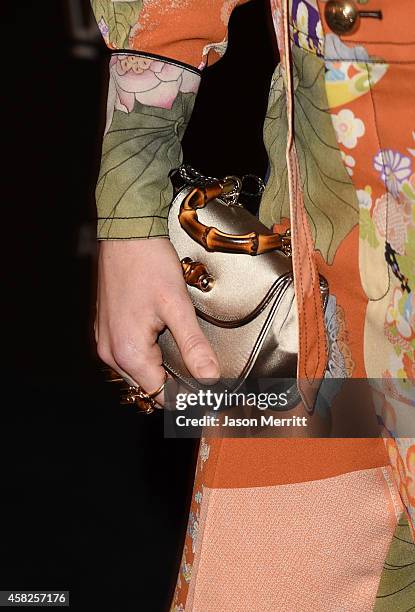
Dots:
pixel 243 284
pixel 238 348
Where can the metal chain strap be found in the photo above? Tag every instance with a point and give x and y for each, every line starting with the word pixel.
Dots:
pixel 191 176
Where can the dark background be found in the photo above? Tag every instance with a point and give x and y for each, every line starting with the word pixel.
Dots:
pixel 93 499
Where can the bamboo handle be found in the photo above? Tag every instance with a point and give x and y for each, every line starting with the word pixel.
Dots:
pixel 212 239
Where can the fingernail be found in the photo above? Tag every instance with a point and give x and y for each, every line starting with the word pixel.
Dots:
pixel 207 368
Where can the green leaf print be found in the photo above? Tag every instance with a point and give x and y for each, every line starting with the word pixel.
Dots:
pixel 409 191
pixel 396 591
pixel 134 191
pixel 329 195
pixel 367 228
pixel 120 17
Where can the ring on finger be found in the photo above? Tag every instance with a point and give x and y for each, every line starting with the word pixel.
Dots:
pixel 144 401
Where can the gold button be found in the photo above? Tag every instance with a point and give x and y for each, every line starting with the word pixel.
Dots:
pixel 342 16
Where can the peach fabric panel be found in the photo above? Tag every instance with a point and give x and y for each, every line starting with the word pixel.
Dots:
pixel 264 462
pixel 181 30
pixel 305 547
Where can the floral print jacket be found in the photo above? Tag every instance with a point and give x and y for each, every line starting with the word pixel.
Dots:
pixel 340 135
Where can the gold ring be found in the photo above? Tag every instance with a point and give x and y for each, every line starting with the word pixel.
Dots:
pixel 144 401
pixel 160 389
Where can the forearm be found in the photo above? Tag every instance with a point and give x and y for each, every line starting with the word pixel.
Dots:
pixel 159 50
pixel 149 105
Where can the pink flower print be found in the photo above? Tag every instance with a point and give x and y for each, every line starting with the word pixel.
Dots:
pixel 349 162
pixel 394 169
pixel 150 82
pixel 391 221
pixel 379 214
pixel 348 128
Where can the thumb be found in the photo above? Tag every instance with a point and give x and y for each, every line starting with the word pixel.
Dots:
pixel 197 354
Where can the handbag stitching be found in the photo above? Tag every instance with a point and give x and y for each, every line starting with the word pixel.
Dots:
pixel 251 358
pixel 232 323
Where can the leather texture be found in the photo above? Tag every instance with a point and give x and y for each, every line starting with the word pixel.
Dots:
pixel 251 309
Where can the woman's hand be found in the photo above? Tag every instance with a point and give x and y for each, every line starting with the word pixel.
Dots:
pixel 141 290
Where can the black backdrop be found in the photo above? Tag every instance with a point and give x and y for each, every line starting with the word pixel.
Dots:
pixel 93 499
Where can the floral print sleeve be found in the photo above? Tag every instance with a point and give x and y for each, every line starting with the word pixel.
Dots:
pixel 159 49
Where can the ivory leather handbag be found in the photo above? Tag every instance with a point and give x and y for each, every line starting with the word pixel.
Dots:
pixel 239 277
